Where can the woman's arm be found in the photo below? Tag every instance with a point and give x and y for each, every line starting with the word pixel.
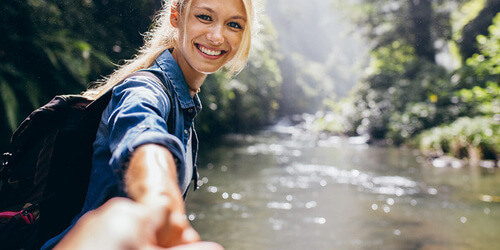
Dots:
pixel 143 154
pixel 152 176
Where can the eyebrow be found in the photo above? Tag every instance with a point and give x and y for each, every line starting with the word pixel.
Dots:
pixel 212 11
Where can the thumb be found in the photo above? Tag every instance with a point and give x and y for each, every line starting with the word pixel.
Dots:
pixel 157 209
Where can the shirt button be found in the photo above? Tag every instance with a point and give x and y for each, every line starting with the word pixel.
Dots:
pixel 185 131
pixel 190 110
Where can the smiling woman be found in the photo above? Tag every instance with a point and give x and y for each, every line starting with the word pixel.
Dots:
pixel 213 31
pixel 165 36
pixel 146 146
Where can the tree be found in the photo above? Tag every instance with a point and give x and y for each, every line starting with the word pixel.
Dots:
pixel 404 90
pixel 421 15
pixel 478 26
pixel 417 23
pixel 51 47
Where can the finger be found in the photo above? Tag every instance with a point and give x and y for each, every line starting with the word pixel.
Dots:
pixel 190 235
pixel 177 231
pixel 158 211
pixel 170 233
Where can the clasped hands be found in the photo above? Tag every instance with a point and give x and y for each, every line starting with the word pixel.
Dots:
pixel 124 224
pixel 154 217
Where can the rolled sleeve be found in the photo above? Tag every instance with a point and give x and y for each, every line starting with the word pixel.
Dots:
pixel 172 143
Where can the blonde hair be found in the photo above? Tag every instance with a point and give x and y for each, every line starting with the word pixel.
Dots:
pixel 164 36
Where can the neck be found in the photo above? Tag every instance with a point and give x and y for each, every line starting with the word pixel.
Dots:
pixel 194 82
pixel 194 78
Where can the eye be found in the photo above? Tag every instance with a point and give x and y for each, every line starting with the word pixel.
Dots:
pixel 234 25
pixel 204 17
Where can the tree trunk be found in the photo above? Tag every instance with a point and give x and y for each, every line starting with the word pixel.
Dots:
pixel 478 26
pixel 421 15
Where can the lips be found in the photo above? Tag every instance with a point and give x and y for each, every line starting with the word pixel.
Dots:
pixel 208 52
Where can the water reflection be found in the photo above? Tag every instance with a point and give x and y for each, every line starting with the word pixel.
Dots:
pixel 297 190
pixel 390 185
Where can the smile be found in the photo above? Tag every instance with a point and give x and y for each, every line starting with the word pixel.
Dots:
pixel 209 52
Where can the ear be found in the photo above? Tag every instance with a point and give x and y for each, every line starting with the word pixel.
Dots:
pixel 174 16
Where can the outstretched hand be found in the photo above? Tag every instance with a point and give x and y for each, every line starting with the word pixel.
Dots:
pixel 151 180
pixel 124 224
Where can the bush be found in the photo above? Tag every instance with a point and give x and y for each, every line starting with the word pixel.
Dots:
pixel 474 138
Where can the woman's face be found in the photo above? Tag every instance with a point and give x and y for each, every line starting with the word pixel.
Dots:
pixel 212 36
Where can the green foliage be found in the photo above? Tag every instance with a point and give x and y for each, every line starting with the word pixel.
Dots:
pixel 478 136
pixel 391 59
pixel 397 102
pixel 481 101
pixel 464 138
pixel 405 96
pixel 51 47
pixel 487 63
pixel 372 99
pixel 478 26
pixel 415 118
pixel 11 104
pixel 460 18
pixel 418 24
pixel 332 123
pixel 402 70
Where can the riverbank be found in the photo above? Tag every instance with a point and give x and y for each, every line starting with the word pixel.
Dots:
pixel 467 142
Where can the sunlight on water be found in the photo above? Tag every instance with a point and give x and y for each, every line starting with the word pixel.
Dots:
pixel 280 205
pixel 298 191
pixel 391 185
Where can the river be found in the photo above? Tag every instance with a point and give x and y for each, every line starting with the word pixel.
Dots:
pixel 285 188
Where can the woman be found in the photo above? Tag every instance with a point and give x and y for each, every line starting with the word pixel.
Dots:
pixel 135 155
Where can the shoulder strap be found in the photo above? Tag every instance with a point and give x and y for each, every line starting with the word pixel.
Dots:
pixel 100 103
pixel 154 77
pixel 104 99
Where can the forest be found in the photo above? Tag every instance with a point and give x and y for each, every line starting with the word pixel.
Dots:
pixel 433 78
pixel 430 79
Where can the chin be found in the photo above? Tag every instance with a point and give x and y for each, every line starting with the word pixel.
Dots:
pixel 208 70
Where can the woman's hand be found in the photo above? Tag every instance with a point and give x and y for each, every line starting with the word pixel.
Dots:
pixel 123 224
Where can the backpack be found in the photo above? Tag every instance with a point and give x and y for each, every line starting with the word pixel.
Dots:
pixel 44 178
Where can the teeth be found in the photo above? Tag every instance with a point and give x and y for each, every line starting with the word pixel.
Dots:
pixel 210 52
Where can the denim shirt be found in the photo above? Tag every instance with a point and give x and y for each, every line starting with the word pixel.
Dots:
pixel 138 114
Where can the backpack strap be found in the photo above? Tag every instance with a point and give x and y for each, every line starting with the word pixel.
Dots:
pixel 154 77
pixel 100 103
pixel 103 100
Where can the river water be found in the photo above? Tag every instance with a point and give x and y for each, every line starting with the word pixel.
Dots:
pixel 289 189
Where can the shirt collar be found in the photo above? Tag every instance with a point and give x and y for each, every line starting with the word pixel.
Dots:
pixel 174 73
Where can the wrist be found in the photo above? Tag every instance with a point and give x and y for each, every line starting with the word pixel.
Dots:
pixel 151 175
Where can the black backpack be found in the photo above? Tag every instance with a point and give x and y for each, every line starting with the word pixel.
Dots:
pixel 44 177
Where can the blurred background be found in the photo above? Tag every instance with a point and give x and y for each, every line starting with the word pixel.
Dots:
pixel 356 123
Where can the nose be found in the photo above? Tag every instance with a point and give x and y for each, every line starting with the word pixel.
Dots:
pixel 215 35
